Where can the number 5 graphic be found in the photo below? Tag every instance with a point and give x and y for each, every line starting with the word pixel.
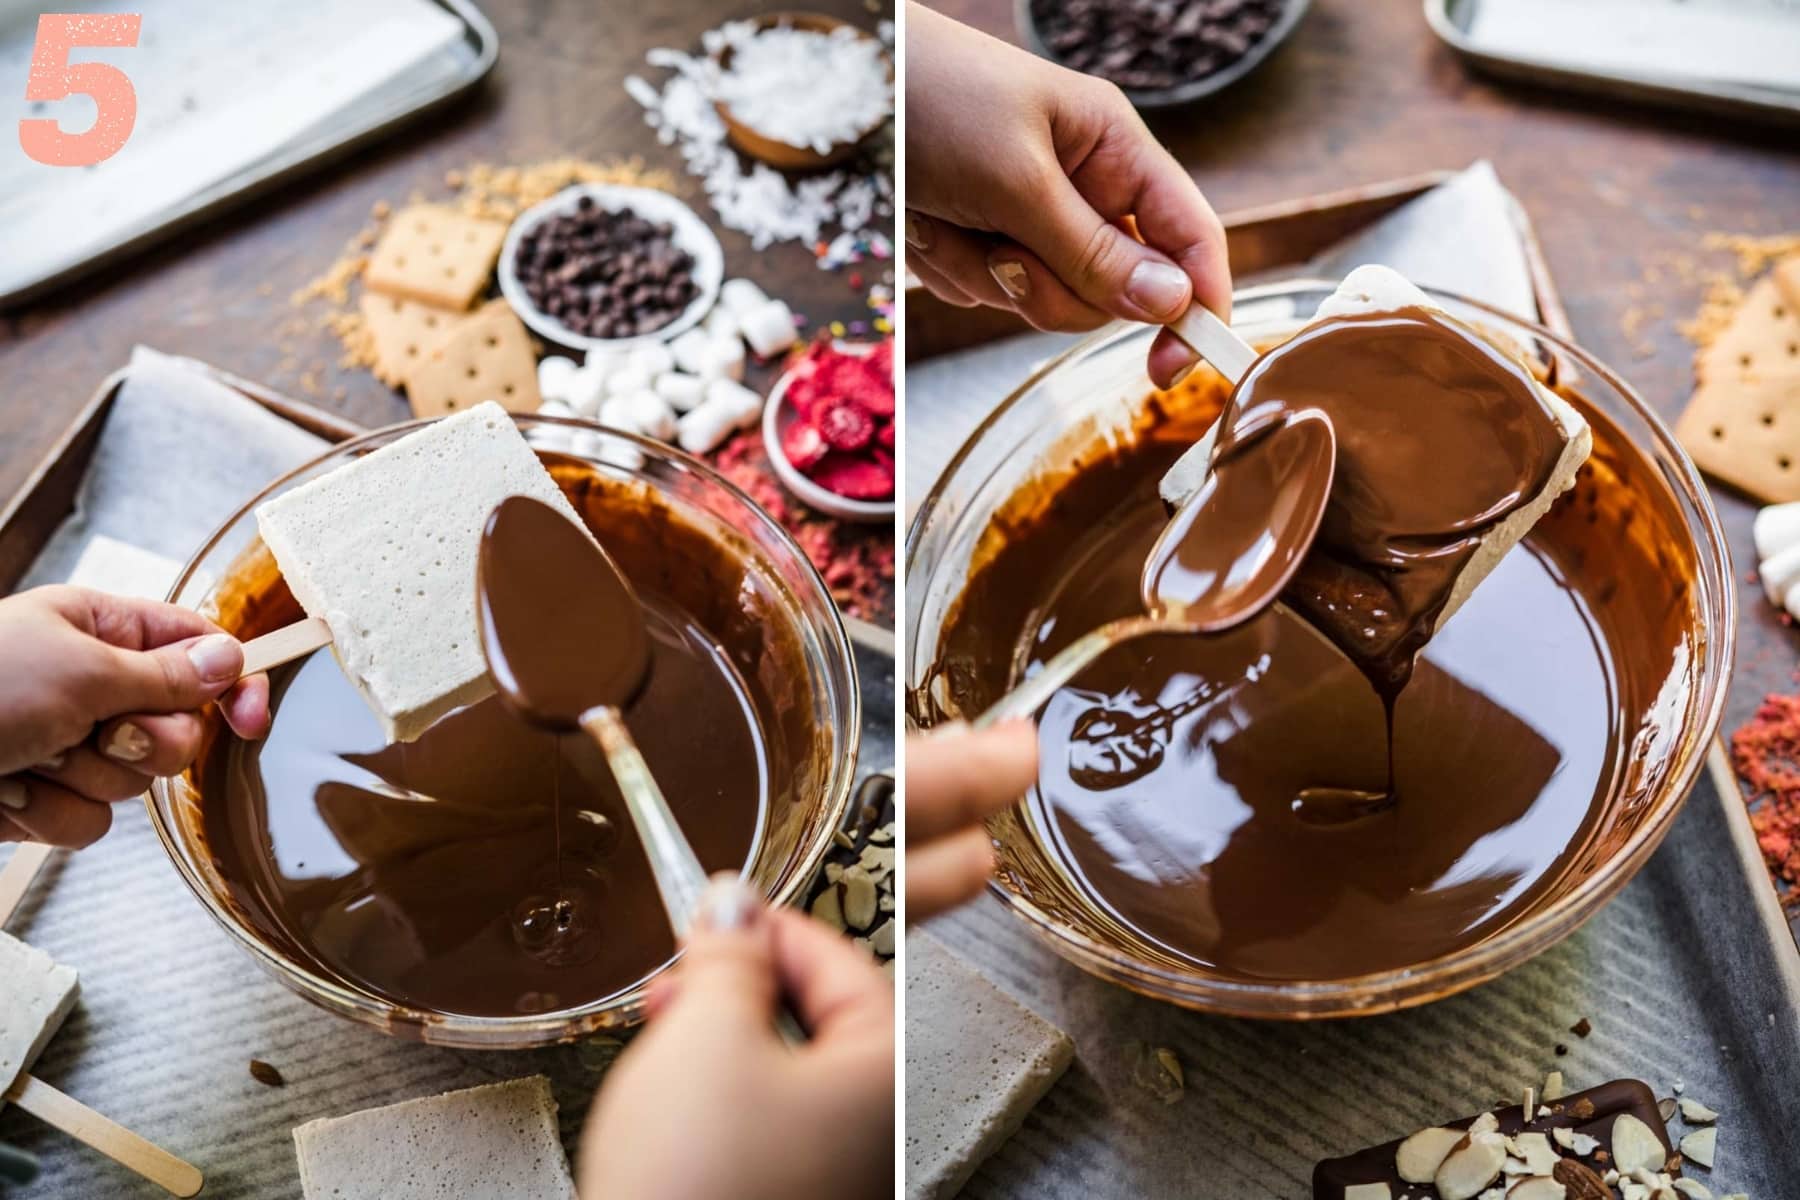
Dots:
pixel 54 77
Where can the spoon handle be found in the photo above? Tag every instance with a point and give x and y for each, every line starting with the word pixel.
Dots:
pixel 1036 691
pixel 679 875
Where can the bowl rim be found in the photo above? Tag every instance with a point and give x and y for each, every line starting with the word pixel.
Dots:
pixel 813 494
pixel 523 1030
pixel 690 233
pixel 1386 991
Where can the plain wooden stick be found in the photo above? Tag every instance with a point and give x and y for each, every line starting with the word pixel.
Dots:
pixel 118 1143
pixel 285 644
pixel 16 876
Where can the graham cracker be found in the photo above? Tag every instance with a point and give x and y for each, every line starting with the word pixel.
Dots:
pixel 1762 340
pixel 436 256
pixel 1746 432
pixel 1787 279
pixel 486 357
pixel 403 333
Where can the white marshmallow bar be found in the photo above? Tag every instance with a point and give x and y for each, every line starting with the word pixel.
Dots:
pixel 36 994
pixel 384 549
pixel 495 1140
pixel 977 1061
pixel 1374 288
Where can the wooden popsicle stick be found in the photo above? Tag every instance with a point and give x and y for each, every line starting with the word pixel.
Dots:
pixel 16 876
pixel 1215 341
pixel 285 645
pixel 118 1143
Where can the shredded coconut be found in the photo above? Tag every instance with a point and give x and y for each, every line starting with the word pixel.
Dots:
pixel 845 94
pixel 759 201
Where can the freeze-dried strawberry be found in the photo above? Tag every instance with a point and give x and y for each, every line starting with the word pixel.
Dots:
pixel 854 477
pixel 885 435
pixel 843 423
pixel 801 442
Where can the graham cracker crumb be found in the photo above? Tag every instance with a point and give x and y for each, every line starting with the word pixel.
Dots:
pixel 1754 254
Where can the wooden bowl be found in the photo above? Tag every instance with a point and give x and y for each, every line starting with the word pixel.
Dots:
pixel 781 155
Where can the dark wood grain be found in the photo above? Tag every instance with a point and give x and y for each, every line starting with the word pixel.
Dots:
pixel 221 292
pixel 1364 92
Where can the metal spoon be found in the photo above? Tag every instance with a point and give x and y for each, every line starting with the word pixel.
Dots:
pixel 567 647
pixel 1234 541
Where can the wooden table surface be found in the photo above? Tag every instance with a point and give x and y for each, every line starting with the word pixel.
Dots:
pixel 221 292
pixel 1364 92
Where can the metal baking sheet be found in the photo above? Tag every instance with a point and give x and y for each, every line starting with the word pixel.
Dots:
pixel 1688 977
pixel 171 1011
pixel 1575 66
pixel 474 52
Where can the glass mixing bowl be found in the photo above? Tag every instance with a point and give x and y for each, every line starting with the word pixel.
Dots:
pixel 1096 392
pixel 803 810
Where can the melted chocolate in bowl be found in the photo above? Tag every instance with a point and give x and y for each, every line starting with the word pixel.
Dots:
pixel 1528 743
pixel 490 868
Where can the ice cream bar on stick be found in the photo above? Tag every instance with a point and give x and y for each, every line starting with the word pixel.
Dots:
pixel 381 554
pixel 1375 289
pixel 36 994
pixel 496 1140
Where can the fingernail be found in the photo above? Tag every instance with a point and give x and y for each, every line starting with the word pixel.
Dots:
pixel 217 657
pixel 53 763
pixel 128 743
pixel 12 794
pixel 1012 278
pixel 918 232
pixel 726 904
pixel 1181 375
pixel 1159 288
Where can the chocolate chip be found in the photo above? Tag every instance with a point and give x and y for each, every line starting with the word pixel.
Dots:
pixel 606 274
pixel 1151 45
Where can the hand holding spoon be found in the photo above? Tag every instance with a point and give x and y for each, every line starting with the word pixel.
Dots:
pixel 567 647
pixel 1233 543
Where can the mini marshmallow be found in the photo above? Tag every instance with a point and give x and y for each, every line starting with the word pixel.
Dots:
pixel 683 392
pixel 585 391
pixel 739 296
pixel 724 359
pixel 1776 528
pixel 1780 572
pixel 652 359
pixel 651 415
pixel 721 322
pixel 769 328
pixel 555 408
pixel 616 414
pixel 604 357
pixel 729 406
pixel 689 350
pixel 613 452
pixel 555 374
pixel 626 380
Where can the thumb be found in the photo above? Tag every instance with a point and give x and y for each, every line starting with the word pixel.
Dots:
pixel 174 678
pixel 728 972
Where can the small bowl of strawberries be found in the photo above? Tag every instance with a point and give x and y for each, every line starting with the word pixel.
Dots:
pixel 829 429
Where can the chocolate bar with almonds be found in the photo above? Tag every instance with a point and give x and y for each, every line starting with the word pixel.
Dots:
pixel 1591 1113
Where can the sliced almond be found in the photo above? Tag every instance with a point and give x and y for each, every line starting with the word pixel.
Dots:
pixel 883 938
pixel 1472 1164
pixel 1700 1144
pixel 1696 1113
pixel 1580 1183
pixel 859 898
pixel 1487 1122
pixel 1631 1189
pixel 1368 1191
pixel 1538 1153
pixel 1634 1145
pixel 1537 1187
pixel 1420 1155
pixel 1573 1142
pixel 829 909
